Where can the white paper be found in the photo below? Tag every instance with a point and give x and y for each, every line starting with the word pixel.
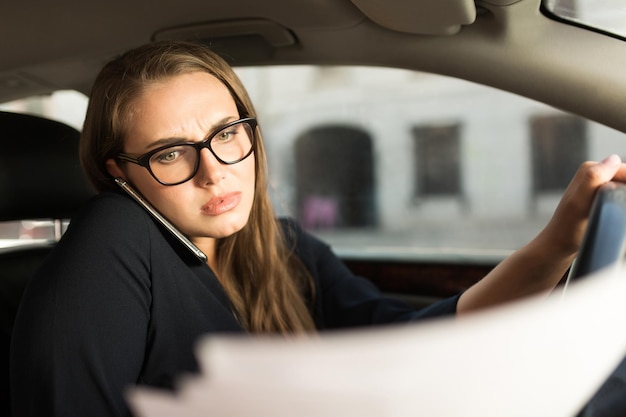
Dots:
pixel 544 356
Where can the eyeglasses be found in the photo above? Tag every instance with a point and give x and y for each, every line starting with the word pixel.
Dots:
pixel 175 164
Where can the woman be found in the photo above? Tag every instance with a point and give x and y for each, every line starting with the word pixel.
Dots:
pixel 122 302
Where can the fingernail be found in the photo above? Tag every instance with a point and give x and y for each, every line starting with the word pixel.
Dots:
pixel 612 160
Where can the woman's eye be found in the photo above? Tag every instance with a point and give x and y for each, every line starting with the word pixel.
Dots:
pixel 169 155
pixel 225 136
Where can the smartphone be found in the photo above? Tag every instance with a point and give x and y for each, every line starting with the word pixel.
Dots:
pixel 169 226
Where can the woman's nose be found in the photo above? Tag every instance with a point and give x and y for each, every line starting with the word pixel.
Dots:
pixel 210 170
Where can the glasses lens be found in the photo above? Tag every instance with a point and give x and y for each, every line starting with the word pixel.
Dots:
pixel 174 164
pixel 179 163
pixel 233 143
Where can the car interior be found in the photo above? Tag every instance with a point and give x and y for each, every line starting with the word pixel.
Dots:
pixel 41 179
pixel 545 51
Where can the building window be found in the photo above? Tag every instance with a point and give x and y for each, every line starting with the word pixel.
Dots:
pixel 559 146
pixel 438 160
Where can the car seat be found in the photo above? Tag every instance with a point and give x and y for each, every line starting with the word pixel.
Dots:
pixel 40 179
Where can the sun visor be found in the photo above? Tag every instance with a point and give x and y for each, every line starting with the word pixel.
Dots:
pixel 428 17
pixel 239 42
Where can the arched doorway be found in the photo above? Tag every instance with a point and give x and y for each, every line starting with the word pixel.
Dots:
pixel 335 178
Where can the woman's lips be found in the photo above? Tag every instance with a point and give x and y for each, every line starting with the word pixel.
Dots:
pixel 221 204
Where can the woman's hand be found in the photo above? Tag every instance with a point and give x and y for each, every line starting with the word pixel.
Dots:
pixel 540 265
pixel 564 233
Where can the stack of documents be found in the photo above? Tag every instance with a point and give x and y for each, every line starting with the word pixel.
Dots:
pixel 543 356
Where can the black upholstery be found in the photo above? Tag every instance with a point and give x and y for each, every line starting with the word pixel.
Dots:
pixel 40 174
pixel 40 178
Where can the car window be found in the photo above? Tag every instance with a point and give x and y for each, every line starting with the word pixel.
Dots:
pixel 603 15
pixel 394 163
pixel 65 106
pixel 401 164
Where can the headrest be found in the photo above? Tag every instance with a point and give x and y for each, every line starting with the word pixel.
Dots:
pixel 40 174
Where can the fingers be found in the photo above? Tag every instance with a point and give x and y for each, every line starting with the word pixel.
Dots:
pixel 607 168
pixel 615 165
pixel 567 226
pixel 579 196
pixel 610 168
pixel 592 175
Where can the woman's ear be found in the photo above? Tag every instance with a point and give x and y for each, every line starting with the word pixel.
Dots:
pixel 114 169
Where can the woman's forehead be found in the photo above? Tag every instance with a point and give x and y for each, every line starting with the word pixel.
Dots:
pixel 188 106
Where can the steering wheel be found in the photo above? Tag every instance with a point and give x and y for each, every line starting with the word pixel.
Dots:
pixel 604 244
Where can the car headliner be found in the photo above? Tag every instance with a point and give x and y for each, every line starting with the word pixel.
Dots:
pixel 508 44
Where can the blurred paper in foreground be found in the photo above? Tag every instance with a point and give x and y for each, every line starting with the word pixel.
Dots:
pixel 543 356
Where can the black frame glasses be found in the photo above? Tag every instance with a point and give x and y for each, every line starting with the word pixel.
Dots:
pixel 145 159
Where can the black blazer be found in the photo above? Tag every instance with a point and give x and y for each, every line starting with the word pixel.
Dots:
pixel 120 302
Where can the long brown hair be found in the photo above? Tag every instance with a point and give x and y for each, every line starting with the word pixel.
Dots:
pixel 267 284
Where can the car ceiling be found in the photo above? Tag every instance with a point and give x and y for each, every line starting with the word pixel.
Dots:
pixel 507 44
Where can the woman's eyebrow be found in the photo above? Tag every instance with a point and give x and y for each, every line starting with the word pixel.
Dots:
pixel 174 140
pixel 165 142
